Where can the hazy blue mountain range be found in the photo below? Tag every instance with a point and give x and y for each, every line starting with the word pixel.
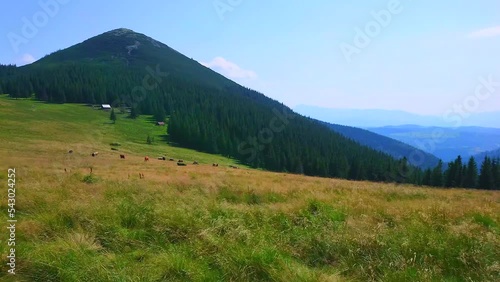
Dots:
pixel 387 145
pixel 379 118
pixel 491 154
pixel 445 143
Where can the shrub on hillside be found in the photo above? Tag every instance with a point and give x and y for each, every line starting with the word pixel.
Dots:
pixel 90 179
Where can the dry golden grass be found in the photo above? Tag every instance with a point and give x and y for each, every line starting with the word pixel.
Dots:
pixel 373 210
pixel 205 223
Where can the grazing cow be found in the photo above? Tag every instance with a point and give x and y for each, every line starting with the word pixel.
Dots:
pixel 181 164
pixel 161 158
pixel 195 162
pixel 94 154
pixel 180 161
pixel 146 158
pixel 122 156
pixel 171 160
pixel 70 152
pixel 215 164
pixel 232 166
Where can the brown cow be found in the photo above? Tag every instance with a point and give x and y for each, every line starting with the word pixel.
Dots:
pixel 146 158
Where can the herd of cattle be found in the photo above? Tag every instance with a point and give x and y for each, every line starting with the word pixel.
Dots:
pixel 146 158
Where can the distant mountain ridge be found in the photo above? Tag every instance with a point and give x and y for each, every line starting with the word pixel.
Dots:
pixel 445 143
pixel 378 118
pixel 387 145
pixel 495 154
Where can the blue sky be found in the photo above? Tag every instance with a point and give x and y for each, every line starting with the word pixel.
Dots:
pixel 424 57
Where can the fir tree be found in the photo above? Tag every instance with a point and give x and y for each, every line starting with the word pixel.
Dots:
pixel 454 174
pixel 134 113
pixel 495 169
pixel 427 179
pixel 160 114
pixel 486 177
pixel 112 115
pixel 471 174
pixel 437 175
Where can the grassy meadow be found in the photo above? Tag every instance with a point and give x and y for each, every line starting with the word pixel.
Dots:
pixel 204 223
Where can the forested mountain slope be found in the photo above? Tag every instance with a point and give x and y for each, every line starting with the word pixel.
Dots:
pixel 207 111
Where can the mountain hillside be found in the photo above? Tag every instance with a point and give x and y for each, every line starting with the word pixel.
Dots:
pixel 387 145
pixel 126 48
pixel 206 111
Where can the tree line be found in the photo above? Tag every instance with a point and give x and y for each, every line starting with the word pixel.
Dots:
pixel 459 174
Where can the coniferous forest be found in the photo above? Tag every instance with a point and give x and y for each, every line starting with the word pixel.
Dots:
pixel 465 174
pixel 212 114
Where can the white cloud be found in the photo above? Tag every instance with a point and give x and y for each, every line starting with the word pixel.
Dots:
pixel 485 32
pixel 27 59
pixel 229 69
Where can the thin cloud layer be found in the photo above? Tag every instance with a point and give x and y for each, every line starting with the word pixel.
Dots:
pixel 27 59
pixel 485 32
pixel 229 69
